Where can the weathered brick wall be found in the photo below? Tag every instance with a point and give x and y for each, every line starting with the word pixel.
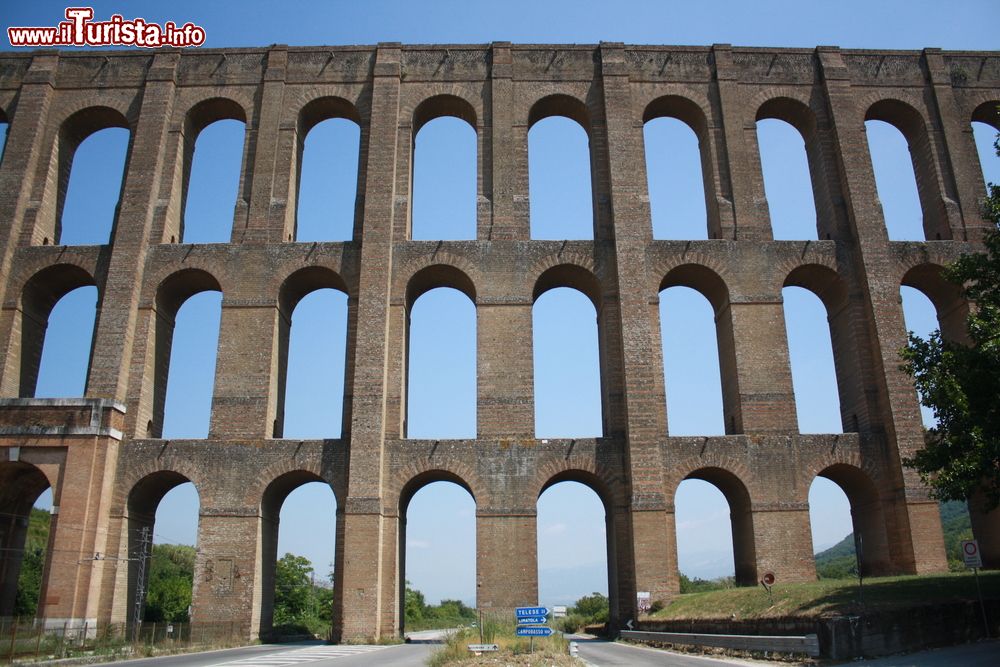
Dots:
pixel 112 479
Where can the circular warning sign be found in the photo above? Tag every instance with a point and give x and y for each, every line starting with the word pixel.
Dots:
pixel 970 554
pixel 767 579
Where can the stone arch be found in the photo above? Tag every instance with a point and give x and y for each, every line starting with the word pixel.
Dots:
pixel 866 515
pixel 141 504
pixel 452 259
pixel 573 276
pixel 422 281
pixel 207 111
pixel 701 278
pixel 312 113
pixel 988 113
pixel 713 287
pixel 309 105
pixel 912 124
pixel 171 294
pixel 794 112
pixel 456 473
pixel 585 215
pixel 693 116
pixel 582 280
pixel 295 287
pixel 271 501
pixel 592 476
pixel 460 197
pixel 560 104
pixel 319 109
pixel 199 116
pixel 563 257
pixel 173 465
pixel 415 481
pixel 832 290
pixel 847 454
pixel 38 297
pixel 180 285
pixel 306 280
pixel 738 497
pixel 73 130
pixel 21 484
pixel 823 176
pixel 442 105
pixel 438 275
pixel 586 472
pixel 949 302
pixel 683 109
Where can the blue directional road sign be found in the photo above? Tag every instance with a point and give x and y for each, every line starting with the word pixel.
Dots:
pixel 531 620
pixel 531 611
pixel 534 631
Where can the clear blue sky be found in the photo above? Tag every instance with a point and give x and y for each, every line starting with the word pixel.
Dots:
pixel 441 534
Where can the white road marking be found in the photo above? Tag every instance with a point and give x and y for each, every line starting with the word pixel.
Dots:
pixel 302 655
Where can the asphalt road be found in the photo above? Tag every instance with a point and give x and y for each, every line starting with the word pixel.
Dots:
pixel 602 653
pixel 306 654
pixel 596 652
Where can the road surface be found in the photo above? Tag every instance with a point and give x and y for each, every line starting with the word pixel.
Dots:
pixel 595 652
pixel 305 654
pixel 601 653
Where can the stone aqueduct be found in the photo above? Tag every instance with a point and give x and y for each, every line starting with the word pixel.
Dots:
pixel 108 466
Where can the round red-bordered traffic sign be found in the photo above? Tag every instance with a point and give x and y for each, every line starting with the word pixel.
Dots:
pixel 970 548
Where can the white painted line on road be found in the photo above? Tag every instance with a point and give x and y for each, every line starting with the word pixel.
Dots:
pixel 302 655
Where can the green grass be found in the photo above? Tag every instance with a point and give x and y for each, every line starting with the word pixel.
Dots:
pixel 831 597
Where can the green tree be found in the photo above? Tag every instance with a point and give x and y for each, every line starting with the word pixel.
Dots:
pixel 29 581
pixel 961 455
pixel 293 599
pixel 414 606
pixel 593 607
pixel 171 573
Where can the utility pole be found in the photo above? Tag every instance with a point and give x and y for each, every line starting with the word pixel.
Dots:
pixel 140 584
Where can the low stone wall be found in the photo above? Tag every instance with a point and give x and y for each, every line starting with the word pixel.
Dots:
pixel 874 634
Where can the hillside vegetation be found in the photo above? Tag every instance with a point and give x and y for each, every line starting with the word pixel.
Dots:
pixel 839 561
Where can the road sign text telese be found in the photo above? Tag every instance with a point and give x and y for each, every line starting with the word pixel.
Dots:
pixel 531 611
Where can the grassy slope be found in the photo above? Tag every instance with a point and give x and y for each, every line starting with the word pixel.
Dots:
pixel 832 596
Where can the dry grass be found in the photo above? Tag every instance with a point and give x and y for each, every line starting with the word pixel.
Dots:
pixel 514 651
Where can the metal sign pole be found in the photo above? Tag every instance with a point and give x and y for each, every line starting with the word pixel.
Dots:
pixel 982 605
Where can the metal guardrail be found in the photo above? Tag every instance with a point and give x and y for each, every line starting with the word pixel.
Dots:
pixel 808 644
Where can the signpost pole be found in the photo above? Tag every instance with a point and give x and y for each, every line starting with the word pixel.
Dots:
pixel 982 605
pixel 974 560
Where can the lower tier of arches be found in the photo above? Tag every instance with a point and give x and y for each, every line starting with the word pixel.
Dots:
pixel 106 491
